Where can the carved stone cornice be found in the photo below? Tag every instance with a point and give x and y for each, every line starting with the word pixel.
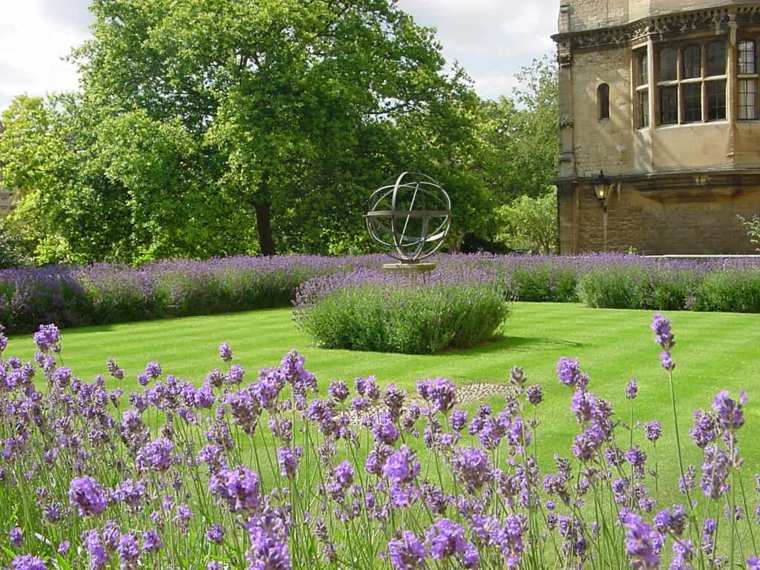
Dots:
pixel 666 26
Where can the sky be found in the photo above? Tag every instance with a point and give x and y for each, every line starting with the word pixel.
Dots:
pixel 491 39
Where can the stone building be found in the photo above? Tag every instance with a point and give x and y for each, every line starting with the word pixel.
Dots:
pixel 662 95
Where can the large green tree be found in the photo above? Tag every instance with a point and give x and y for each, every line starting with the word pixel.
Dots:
pixel 279 99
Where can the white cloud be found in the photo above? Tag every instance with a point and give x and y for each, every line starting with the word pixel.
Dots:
pixel 35 38
pixel 492 39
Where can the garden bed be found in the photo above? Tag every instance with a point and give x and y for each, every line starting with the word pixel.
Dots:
pixel 104 294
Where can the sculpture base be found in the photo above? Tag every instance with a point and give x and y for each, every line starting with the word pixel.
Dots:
pixel 410 268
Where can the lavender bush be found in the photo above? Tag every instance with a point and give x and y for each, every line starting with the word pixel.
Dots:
pixel 104 294
pixel 284 472
pixel 369 310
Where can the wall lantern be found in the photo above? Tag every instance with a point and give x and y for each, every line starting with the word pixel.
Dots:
pixel 603 187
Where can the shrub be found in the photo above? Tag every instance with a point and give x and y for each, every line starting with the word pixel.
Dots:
pixel 729 291
pixel 405 317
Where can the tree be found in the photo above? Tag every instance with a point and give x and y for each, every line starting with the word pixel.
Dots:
pixel 520 135
pixel 269 90
pixel 530 224
pixel 752 226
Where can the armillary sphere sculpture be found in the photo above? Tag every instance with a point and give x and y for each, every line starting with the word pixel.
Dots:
pixel 411 218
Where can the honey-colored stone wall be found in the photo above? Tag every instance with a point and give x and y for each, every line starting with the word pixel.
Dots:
pixel 690 222
pixel 606 143
pixel 594 14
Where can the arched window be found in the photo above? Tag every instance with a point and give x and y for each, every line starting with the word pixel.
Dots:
pixel 603 99
pixel 748 81
pixel 747 57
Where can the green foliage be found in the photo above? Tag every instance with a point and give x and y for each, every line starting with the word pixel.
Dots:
pixel 530 224
pixel 737 292
pixel 405 319
pixel 752 226
pixel 636 287
pixel 519 136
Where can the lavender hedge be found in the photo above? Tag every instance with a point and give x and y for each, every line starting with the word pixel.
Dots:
pixel 105 293
pixel 286 472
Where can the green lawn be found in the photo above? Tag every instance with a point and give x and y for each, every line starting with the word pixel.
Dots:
pixel 714 352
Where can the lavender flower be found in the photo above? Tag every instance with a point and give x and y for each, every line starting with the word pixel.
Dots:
pixel 225 352
pixel 88 496
pixel 446 539
pixel 440 392
pixel 16 537
pixel 730 413
pixel 642 544
pixel 47 338
pixel 535 394
pixel 472 467
pixel 632 389
pixel 406 552
pixel 662 331
pixel 402 466
pixel 151 541
pixel 568 371
pixel 653 430
pixel 155 456
pixel 238 488
pixel 128 550
pixel 215 533
pixel 287 459
pixel 28 562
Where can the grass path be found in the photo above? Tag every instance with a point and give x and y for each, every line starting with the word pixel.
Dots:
pixel 714 351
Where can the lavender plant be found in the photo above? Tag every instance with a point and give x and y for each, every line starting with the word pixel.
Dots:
pixel 282 471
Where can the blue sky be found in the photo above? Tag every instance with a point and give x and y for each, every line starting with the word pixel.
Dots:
pixel 492 39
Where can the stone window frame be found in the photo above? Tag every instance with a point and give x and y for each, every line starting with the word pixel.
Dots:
pixel 641 75
pixel 603 101
pixel 745 79
pixel 680 84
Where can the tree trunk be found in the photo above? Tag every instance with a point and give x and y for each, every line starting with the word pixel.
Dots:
pixel 264 229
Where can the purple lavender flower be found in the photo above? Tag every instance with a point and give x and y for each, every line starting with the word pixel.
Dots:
pixel 753 563
pixel 367 388
pixel 64 547
pixel 88 496
pixel 402 466
pixel 151 541
pixel 440 392
pixel 458 420
pixel 715 471
pixel 287 458
pixel 28 562
pixel 705 429
pixel 215 533
pixel 472 467
pixel 730 413
pixel 114 370
pixel 269 544
pixel 384 430
pixel 47 338
pixel 225 352
pixel 446 539
pixel 61 377
pixel 666 360
pixel 535 394
pixel 653 430
pixel 16 537
pixel 155 456
pixel 683 553
pixel 96 549
pixel 238 487
pixel 153 369
pixel 632 389
pixel 128 550
pixel 642 543
pixel 671 520
pixel 568 371
pixel 338 390
pixel 406 552
pixel 662 331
